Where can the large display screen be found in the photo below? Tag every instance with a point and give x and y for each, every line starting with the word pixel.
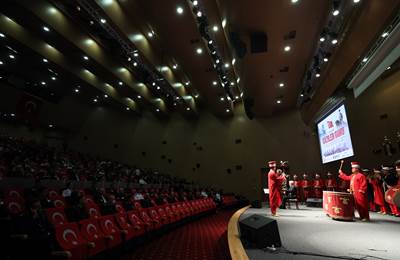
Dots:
pixel 334 136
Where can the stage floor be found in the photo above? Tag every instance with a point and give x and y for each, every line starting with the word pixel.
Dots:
pixel 309 230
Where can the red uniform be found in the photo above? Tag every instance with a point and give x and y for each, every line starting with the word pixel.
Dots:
pixel 307 189
pixel 318 187
pixel 275 185
pixel 358 186
pixel 331 184
pixel 378 194
pixel 299 189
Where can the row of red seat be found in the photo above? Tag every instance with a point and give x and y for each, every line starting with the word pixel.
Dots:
pixel 91 236
pixel 229 200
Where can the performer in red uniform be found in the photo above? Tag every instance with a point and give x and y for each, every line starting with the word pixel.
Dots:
pixel 358 187
pixel 298 184
pixel 379 199
pixel 392 180
pixel 275 179
pixel 331 183
pixel 318 186
pixel 307 187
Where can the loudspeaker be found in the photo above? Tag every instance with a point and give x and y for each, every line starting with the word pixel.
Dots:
pixel 258 42
pixel 260 231
pixel 248 107
pixel 238 44
pixel 256 204
pixel 314 202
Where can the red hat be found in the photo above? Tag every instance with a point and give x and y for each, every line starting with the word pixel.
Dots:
pixel 272 163
pixel 355 165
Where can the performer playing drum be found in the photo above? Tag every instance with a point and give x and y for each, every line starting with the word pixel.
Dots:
pixel 275 179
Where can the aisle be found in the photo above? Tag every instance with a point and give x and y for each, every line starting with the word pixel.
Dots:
pixel 204 239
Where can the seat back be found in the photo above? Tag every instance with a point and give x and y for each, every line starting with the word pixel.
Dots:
pixel 120 209
pixel 90 229
pixel 108 225
pixel 134 218
pixel 144 216
pixel 14 206
pixel 137 205
pixel 59 201
pixel 52 194
pixel 68 236
pixel 92 210
pixel 122 221
pixel 153 214
pixel 14 193
pixel 56 216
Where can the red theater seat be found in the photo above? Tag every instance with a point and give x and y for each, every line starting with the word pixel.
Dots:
pixel 52 194
pixel 163 215
pixel 127 229
pixel 136 222
pixel 14 193
pixel 176 212
pixel 89 200
pixel 137 205
pixel 59 201
pixel 150 223
pixel 92 210
pixel 111 230
pixel 92 233
pixel 14 206
pixel 120 209
pixel 171 215
pixel 70 239
pixel 56 216
pixel 153 213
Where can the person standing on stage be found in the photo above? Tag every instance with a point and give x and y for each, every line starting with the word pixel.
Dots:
pixel 318 186
pixel 392 180
pixel 275 179
pixel 298 184
pixel 307 187
pixel 358 187
pixel 375 180
pixel 331 183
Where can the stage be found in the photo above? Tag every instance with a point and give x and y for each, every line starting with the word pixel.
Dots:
pixel 310 231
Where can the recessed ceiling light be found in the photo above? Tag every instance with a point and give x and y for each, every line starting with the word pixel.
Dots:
pixel 53 78
pixel 294 1
pixel 365 60
pixel 11 56
pixel 322 39
pixel 199 14
pixel 215 28
pixel 334 41
pixel 287 48
pixel 135 64
pixel 158 110
pixel 175 66
pixel 187 83
pixel 188 108
pixel 356 1
pixel 150 34
pixel 210 41
pixel 45 28
pixel 199 50
pixel 217 61
pixel 385 34
pixel 195 2
pixel 236 97
pixel 128 108
pixel 232 83
pixel 222 98
pixel 95 100
pixel 158 87
pixel 51 126
pixel 153 84
pixel 76 90
pixel 388 68
pixel 226 65
pixel 91 22
pixel 301 95
pixel 278 101
pixel 139 96
pixel 215 83
pixel 120 83
pixel 2 35
pixel 179 10
pixel 335 12
pixel 317 75
pixel 43 83
pixel 45 60
pixel 106 96
pixel 102 20
pixel 85 57
pixel 281 84
pixel 325 59
pixel 135 54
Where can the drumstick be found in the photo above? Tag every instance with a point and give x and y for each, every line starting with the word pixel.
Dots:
pixel 341 164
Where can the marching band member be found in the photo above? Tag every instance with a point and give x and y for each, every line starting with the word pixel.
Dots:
pixel 298 184
pixel 275 180
pixel 358 187
pixel 318 186
pixel 307 187
pixel 331 183
pixel 375 180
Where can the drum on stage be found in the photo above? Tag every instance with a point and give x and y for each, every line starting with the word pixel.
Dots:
pixel 392 196
pixel 338 205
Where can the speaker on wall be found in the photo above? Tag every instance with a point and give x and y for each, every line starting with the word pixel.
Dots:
pixel 260 231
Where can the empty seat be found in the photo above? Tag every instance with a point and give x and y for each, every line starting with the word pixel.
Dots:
pixel 70 239
pixel 111 230
pixel 92 233
pixel 56 216
pixel 136 222
pixel 127 229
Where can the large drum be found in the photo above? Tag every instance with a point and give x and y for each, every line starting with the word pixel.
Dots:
pixel 392 196
pixel 338 205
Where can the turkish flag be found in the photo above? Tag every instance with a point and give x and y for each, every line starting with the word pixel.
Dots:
pixel 28 108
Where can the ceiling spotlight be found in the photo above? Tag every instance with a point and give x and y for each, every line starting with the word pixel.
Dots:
pixel 158 110
pixel 215 83
pixel 210 41
pixel 2 35
pixel 174 103
pixel 45 28
pixel 95 100
pixel 281 84
pixel 335 12
pixel 135 54
pixel 153 84
pixel 120 83
pixel 278 101
pixel 43 83
pixel 365 60
pixel 217 61
pixel 188 108
pixel 325 59
pixel 158 87
pixel 388 68
pixel 322 39
pixel 150 34
pixel 102 20
pixel 105 96
pixel 76 90
pixel 287 48
pixel 175 66
pixel 233 61
pixel 179 10
pixel 384 34
pixel 187 83
pixel 215 28
pixel 195 2
pixel 334 41
pixel 1 62
pixel 53 78
pixel 317 75
pixel 135 64
pixel 301 95
pixel 199 50
pixel 226 65
pixel 128 109
pixel 199 14
pixel 11 56
pixel 85 57
pixel 129 58
pixel 236 97
pixel 139 96
pixel 44 60
pixel 356 1
pixel 228 110
pixel 91 22
pixel 232 83
pixel 222 98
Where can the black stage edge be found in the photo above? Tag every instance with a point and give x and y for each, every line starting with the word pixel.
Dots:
pixel 309 234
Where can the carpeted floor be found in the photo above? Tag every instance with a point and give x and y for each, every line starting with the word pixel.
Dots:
pixel 309 230
pixel 204 239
